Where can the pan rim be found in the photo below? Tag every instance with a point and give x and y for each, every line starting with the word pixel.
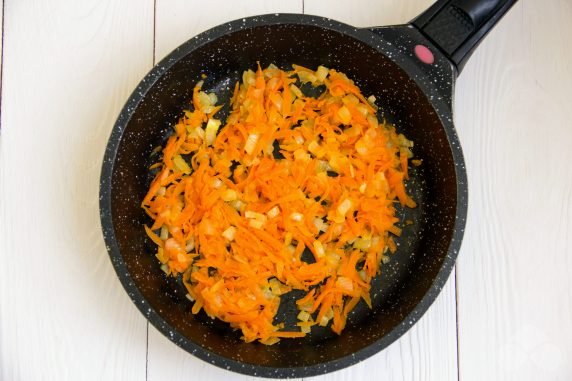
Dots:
pixel 363 35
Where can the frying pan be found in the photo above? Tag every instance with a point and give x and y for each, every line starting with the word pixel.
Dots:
pixel 411 69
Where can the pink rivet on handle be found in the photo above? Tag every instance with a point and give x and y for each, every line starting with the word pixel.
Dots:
pixel 424 54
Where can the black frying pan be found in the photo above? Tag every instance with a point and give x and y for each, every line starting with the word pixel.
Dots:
pixel 411 69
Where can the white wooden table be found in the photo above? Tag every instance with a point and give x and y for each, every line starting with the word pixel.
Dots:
pixel 67 69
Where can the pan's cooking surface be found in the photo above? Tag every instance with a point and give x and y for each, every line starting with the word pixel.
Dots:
pixel 427 249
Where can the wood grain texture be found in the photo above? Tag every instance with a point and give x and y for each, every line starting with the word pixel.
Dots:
pixel 426 352
pixel 363 13
pixel 1 49
pixel 515 271
pixel 68 69
pixel 179 20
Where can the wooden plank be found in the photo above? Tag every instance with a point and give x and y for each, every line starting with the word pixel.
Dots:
pixel 515 272
pixel 363 13
pixel 429 350
pixel 68 69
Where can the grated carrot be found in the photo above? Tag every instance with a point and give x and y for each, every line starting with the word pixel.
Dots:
pixel 238 205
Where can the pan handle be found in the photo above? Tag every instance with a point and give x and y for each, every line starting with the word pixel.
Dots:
pixel 457 27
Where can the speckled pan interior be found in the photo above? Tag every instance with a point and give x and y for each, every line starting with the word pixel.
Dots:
pixel 413 96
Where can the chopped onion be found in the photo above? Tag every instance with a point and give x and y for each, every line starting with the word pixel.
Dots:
pixel 217 300
pixel 350 99
pixel 304 316
pixel 345 284
pixel 344 207
pixel 213 98
pixel 333 259
pixel 211 130
pixel 287 238
pixel 403 141
pixel 248 78
pixel 320 225
pixel 362 188
pixel 371 99
pixel 237 204
pixel 338 229
pixel 322 166
pixel 255 216
pixel 164 232
pixel 375 240
pixel 249 162
pixel 251 143
pixel 344 115
pixel 362 110
pixel 207 227
pixel 322 73
pixel 308 123
pixel 319 247
pixel 372 121
pixel 380 182
pixel 315 148
pixel 229 233
pixel 297 216
pixel 361 147
pixel 277 287
pixel 301 155
pixel 229 195
pixel 299 139
pixel 198 133
pixel 306 306
pixel 276 101
pixel 338 162
pixel 269 149
pixel 362 243
pixel 326 318
pixel 306 76
pixel 297 92
pixel 217 183
pixel 270 341
pixel 273 212
pixel 257 224
pixel 181 164
pixel 161 191
pixel 190 244
pixel 204 99
pixel 205 103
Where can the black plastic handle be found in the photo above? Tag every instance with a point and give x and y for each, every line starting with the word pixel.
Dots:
pixel 457 27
